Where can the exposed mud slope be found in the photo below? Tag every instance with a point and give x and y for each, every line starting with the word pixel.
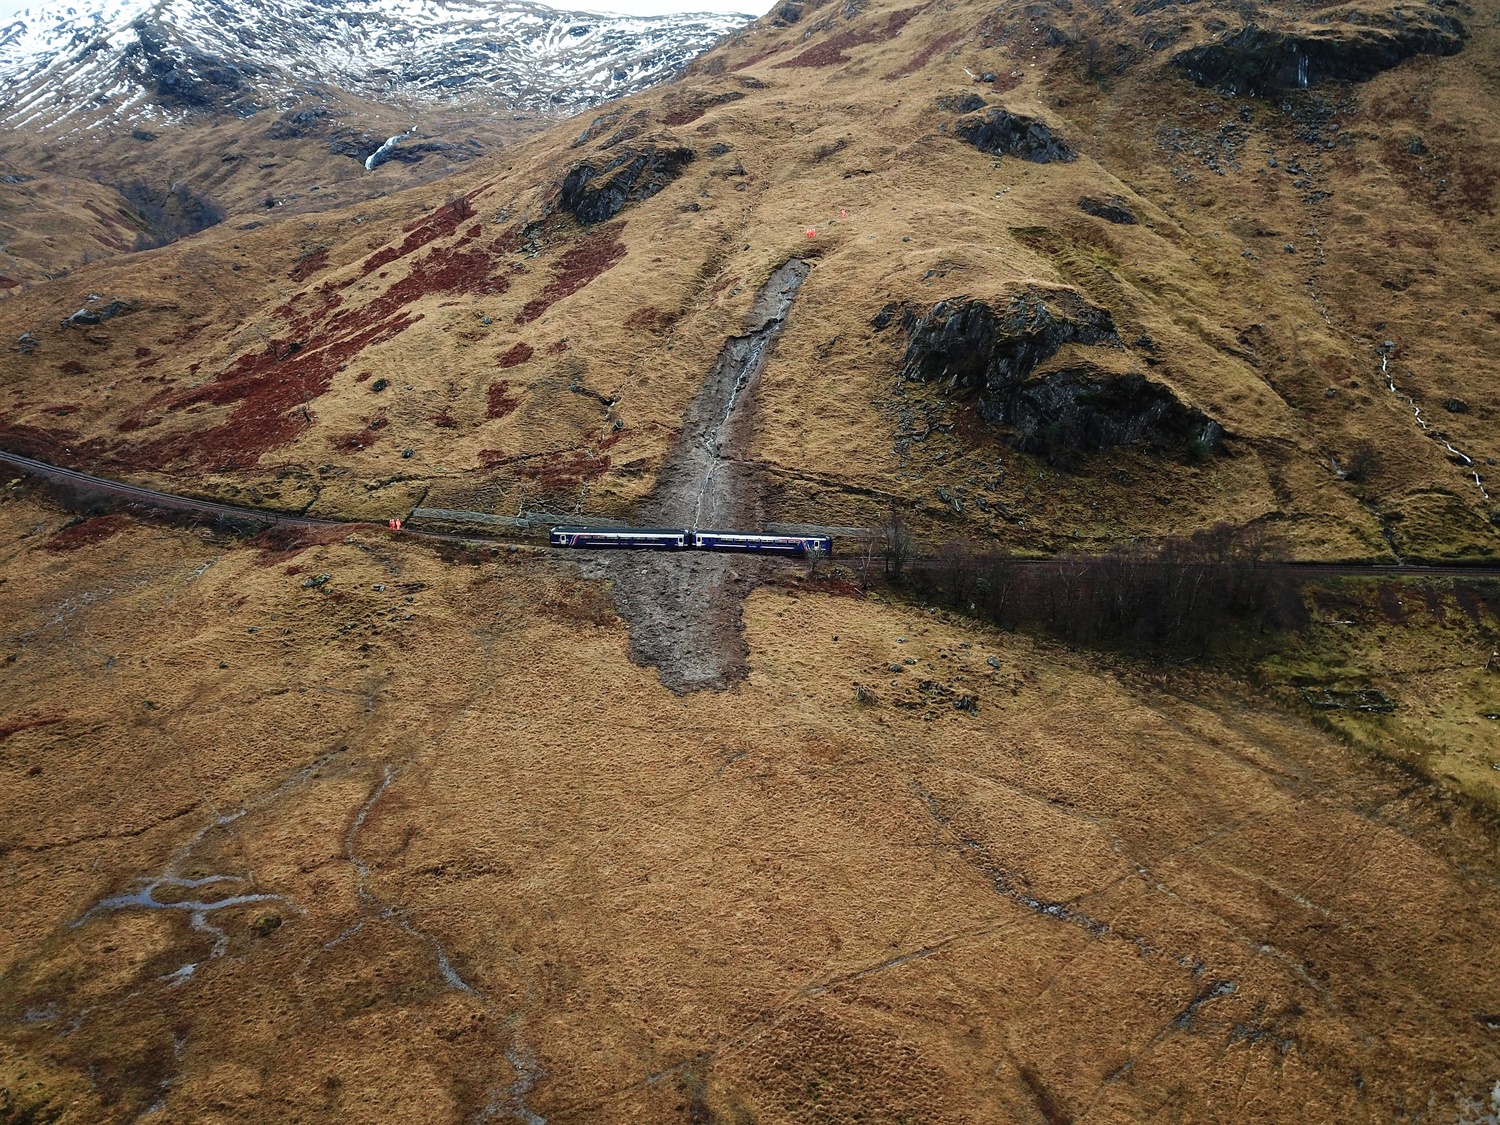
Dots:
pixel 684 609
pixel 450 851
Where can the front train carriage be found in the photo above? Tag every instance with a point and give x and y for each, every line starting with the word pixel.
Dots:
pixel 622 538
pixel 762 544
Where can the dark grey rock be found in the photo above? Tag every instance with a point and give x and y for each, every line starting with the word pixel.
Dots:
pixel 182 78
pixel 1263 62
pixel 1082 410
pixel 1368 700
pixel 962 103
pixel 975 349
pixel 1002 133
pixel 1112 210
pixel 594 192
pixel 87 317
pixel 596 127
pixel 990 354
pixel 26 343
pixel 1455 406
pixel 295 124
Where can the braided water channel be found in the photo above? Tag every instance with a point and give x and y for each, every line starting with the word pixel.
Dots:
pixel 684 608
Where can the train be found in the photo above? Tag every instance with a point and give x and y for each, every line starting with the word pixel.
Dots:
pixel 689 539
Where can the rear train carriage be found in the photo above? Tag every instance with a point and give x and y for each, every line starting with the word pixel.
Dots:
pixel 762 544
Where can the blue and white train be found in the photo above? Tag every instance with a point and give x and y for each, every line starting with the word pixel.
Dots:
pixel 681 539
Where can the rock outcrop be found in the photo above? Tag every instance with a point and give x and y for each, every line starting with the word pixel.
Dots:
pixel 1081 410
pixel 595 191
pixel 976 349
pixel 1002 133
pixel 87 317
pixel 991 355
pixel 1346 45
pixel 1111 210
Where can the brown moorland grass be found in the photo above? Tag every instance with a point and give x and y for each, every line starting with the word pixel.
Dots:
pixel 470 855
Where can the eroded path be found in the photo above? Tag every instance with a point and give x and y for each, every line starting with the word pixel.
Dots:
pixel 685 609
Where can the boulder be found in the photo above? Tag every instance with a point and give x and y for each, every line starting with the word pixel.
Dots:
pixel 87 317
pixel 1348 45
pixel 962 103
pixel 596 191
pixel 1002 133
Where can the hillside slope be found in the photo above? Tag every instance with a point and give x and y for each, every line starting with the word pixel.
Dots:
pixel 1239 282
pixel 352 832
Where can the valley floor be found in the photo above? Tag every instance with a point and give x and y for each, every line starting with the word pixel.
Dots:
pixel 418 841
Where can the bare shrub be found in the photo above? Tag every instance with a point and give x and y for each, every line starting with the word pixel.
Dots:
pixel 1364 462
pixel 1184 595
pixel 896 545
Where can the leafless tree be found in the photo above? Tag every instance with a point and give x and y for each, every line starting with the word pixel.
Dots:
pixel 896 545
pixel 816 553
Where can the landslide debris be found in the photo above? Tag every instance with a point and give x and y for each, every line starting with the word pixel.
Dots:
pixel 596 191
pixel 991 355
pixel 1002 133
pixel 685 611
pixel 1344 45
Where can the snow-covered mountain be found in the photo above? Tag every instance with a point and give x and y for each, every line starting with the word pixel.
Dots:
pixel 103 62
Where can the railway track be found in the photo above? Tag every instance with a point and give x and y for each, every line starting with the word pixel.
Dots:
pixel 168 501
pixel 85 483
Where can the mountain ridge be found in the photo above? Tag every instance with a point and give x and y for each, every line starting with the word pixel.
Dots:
pixel 166 60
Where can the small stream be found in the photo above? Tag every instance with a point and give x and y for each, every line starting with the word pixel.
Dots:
pixel 198 910
pixel 1458 456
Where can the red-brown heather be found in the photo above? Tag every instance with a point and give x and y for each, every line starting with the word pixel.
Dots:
pixel 500 400
pixel 597 252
